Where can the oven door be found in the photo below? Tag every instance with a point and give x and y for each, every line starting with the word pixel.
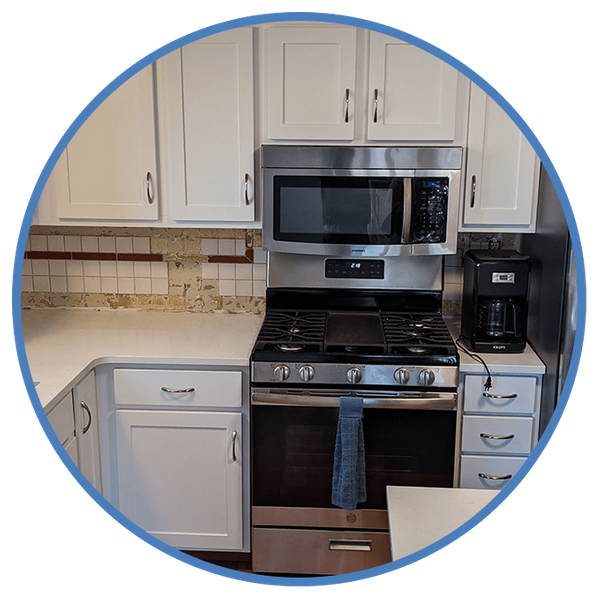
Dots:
pixel 409 440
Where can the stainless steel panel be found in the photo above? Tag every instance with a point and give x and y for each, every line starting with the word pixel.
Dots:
pixel 418 273
pixel 318 552
pixel 319 518
pixel 361 157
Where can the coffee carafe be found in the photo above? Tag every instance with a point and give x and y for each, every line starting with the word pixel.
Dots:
pixel 495 299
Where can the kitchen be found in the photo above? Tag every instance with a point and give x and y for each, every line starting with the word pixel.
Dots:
pixel 171 251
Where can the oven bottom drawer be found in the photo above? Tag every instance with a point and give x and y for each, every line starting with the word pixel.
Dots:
pixel 317 551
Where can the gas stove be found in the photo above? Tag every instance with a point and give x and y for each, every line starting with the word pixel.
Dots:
pixel 329 337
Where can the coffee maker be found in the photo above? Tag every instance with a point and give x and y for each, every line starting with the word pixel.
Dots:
pixel 495 300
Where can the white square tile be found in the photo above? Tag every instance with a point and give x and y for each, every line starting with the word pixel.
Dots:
pixel 227 247
pixel 141 269
pixel 107 244
pixel 210 271
pixel 27 283
pixel 56 243
pixel 124 245
pixel 57 268
pixel 58 284
pixel 160 286
pixel 92 285
pixel 243 271
pixel 26 267
pixel 240 247
pixel 210 247
pixel 159 269
pixel 243 288
pixel 89 243
pixel 74 268
pixel 75 284
pixel 39 266
pixel 126 285
pixel 91 268
pixel 124 268
pixel 141 245
pixel 260 289
pixel 41 283
pixel 108 285
pixel 143 285
pixel 260 255
pixel 226 271
pixel 259 272
pixel 227 287
pixel 108 268
pixel 38 243
pixel 72 243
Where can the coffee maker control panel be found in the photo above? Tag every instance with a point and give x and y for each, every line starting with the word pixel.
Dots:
pixel 503 277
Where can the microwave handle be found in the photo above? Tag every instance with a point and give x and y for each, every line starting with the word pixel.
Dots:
pixel 406 211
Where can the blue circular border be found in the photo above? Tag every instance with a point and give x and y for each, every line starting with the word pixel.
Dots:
pixel 257 20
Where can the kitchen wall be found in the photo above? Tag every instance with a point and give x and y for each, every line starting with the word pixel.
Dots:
pixel 199 270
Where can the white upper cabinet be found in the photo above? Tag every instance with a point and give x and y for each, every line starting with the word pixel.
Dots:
pixel 413 94
pixel 502 174
pixel 111 160
pixel 311 83
pixel 206 125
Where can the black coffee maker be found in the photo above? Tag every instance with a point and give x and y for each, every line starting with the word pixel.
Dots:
pixel 495 299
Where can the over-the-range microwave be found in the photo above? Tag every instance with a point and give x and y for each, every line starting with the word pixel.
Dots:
pixel 361 200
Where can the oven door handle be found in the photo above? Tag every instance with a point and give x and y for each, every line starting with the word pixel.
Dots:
pixel 408 401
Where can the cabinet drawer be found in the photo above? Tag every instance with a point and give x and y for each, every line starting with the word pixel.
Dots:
pixel 488 472
pixel 514 395
pixel 497 435
pixel 62 419
pixel 166 387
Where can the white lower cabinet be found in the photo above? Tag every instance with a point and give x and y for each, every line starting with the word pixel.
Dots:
pixel 180 476
pixel 182 471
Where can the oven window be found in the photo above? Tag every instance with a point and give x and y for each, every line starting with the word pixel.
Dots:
pixel 292 453
pixel 338 210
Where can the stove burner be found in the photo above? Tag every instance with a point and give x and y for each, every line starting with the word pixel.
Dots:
pixel 289 348
pixel 418 350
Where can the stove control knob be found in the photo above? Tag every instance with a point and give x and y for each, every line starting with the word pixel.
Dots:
pixel 282 372
pixel 306 373
pixel 354 375
pixel 426 377
pixel 402 375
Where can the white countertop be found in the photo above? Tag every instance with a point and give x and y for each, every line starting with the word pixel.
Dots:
pixel 420 516
pixel 62 344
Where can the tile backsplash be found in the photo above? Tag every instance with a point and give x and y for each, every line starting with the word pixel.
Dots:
pixel 201 270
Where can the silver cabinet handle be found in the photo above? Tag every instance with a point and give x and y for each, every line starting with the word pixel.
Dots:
pixel 347 105
pixel 183 391
pixel 494 477
pixel 234 439
pixel 248 190
pixel 487 436
pixel 360 545
pixel 499 396
pixel 149 188
pixel 473 189
pixel 89 412
pixel 376 97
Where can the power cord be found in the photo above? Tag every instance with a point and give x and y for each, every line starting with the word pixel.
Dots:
pixel 488 383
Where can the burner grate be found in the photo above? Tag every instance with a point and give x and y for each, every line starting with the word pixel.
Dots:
pixel 416 334
pixel 292 330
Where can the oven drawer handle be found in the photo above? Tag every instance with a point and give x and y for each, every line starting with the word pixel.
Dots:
pixel 500 396
pixel 415 402
pixel 494 477
pixel 360 545
pixel 487 436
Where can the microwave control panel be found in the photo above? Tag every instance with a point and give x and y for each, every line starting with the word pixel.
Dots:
pixel 353 269
pixel 430 210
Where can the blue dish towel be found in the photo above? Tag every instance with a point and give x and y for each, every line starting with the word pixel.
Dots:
pixel 348 486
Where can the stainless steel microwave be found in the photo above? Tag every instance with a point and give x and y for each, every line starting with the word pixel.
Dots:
pixel 360 200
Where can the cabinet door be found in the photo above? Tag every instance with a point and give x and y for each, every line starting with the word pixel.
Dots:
pixel 502 171
pixel 112 158
pixel 180 476
pixel 311 75
pixel 86 427
pixel 206 98
pixel 412 93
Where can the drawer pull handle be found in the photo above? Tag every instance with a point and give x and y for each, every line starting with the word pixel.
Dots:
pixel 184 391
pixel 347 105
pixel 234 439
pixel 499 396
pixel 494 477
pixel 89 413
pixel 359 545
pixel 487 436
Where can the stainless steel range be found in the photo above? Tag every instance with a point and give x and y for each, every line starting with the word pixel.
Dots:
pixel 324 339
